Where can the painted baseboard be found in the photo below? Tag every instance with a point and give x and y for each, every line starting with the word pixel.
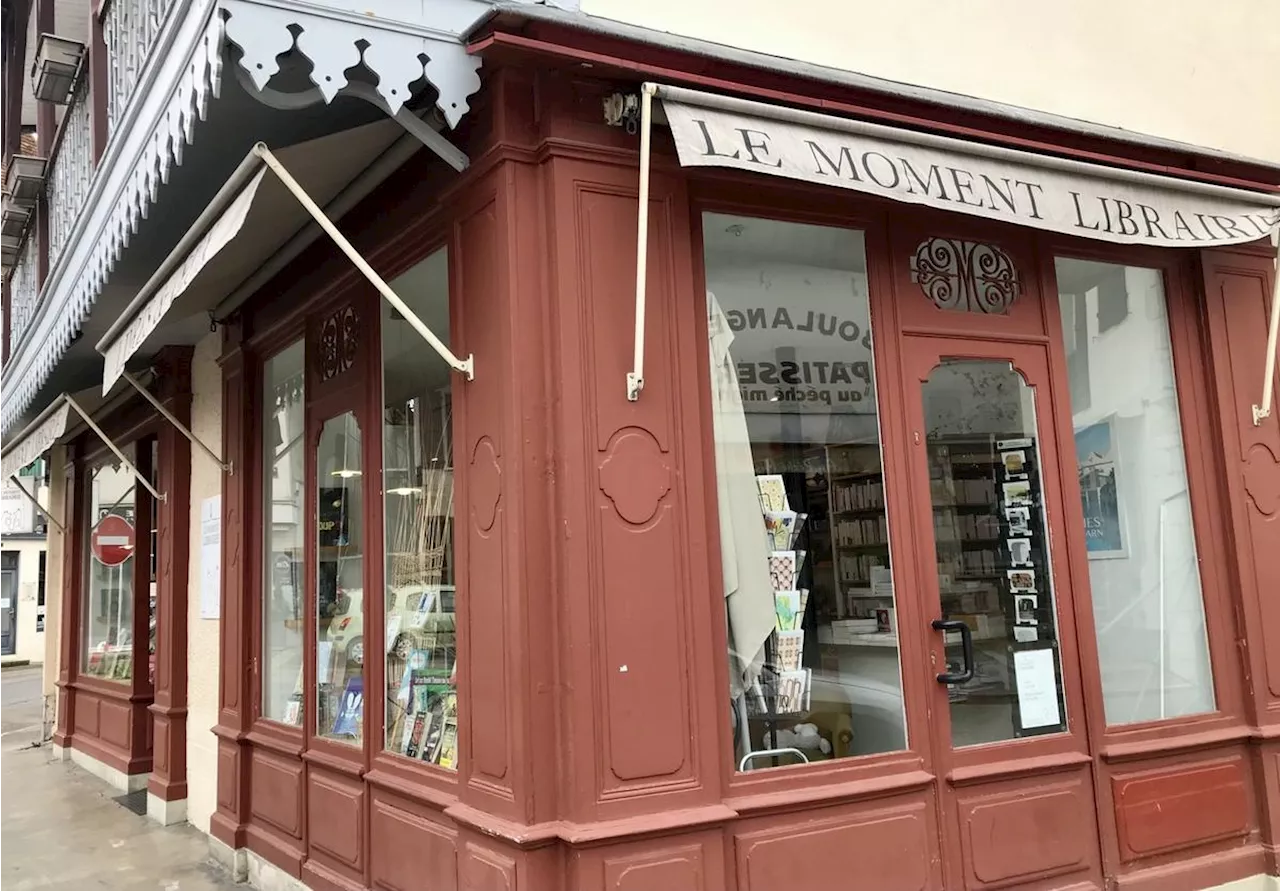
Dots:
pixel 233 860
pixel 166 813
pixel 118 779
pixel 59 753
pixel 1252 883
pixel 266 876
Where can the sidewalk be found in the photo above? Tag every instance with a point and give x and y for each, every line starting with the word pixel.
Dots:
pixel 63 832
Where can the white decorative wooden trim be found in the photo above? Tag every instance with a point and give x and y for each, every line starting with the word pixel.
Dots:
pixel 173 92
pixel 22 289
pixel 130 29
pixel 398 52
pixel 70 171
pixel 166 85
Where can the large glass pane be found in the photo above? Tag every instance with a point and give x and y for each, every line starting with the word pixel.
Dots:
pixel 1143 570
pixel 991 537
pixel 809 599
pixel 283 482
pixel 417 479
pixel 108 603
pixel 339 581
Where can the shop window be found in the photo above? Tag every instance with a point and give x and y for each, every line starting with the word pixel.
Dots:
pixel 1143 569
pixel 340 633
pixel 107 615
pixel 965 276
pixel 283 481
pixel 417 479
pixel 992 549
pixel 808 587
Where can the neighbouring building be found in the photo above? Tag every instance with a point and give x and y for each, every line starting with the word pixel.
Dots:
pixel 705 446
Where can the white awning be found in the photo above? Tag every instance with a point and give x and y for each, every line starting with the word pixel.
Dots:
pixel 36 439
pixel 258 212
pixel 1024 188
pixel 131 337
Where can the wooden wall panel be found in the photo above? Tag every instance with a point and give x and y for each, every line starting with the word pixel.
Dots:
pixel 897 845
pixel 630 488
pixel 1170 808
pixel 485 868
pixel 1238 290
pixel 335 818
pixel 484 493
pixel 1028 831
pixel 86 713
pixel 115 726
pixel 409 851
pixel 276 796
pixel 228 776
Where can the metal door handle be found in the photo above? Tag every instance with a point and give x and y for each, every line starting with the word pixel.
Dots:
pixel 966 646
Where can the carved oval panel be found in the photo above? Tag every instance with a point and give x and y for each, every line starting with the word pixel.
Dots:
pixel 635 475
pixel 485 484
pixel 1262 480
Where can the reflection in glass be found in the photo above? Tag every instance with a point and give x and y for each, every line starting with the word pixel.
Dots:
pixel 991 537
pixel 1144 574
pixel 417 454
pixel 283 481
pixel 108 603
pixel 809 599
pixel 339 578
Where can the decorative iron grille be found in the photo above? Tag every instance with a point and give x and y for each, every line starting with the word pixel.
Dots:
pixel 965 276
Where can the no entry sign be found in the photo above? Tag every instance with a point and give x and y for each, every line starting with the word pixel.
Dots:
pixel 112 541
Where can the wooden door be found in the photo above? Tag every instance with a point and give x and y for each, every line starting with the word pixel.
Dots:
pixel 1007 724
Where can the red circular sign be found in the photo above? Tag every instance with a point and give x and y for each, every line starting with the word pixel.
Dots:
pixel 112 541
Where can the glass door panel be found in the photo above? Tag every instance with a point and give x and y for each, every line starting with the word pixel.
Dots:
pixel 339 582
pixel 992 553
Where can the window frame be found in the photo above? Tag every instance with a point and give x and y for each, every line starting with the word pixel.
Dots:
pixel 1206 470
pixel 722 193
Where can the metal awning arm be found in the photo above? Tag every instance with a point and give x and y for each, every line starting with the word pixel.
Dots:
pixel 115 450
pixel 41 508
pixel 462 366
pixel 635 379
pixel 168 416
pixel 1262 411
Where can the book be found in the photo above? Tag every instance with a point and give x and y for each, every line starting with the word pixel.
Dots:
pixel 413 733
pixel 350 709
pixel 448 756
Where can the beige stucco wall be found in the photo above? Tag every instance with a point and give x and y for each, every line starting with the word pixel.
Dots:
pixel 202 634
pixel 54 543
pixel 1182 69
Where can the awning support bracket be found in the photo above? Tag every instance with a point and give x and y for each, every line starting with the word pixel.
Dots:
pixel 462 366
pixel 38 506
pixel 635 378
pixel 115 450
pixel 168 416
pixel 1263 411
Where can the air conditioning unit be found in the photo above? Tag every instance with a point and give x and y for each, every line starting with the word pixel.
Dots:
pixel 25 179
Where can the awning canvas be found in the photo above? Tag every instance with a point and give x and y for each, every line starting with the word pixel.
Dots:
pixel 132 336
pixel 259 207
pixel 1039 191
pixel 36 439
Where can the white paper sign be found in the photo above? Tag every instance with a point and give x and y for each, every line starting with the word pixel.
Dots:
pixel 210 557
pixel 1037 688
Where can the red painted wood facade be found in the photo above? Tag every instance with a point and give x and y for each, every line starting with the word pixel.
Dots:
pixel 587 537
pixel 137 727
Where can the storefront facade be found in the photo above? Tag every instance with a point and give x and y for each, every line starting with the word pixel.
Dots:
pixel 908 547
pixel 989 457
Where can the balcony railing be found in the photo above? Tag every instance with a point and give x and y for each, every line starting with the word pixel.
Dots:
pixel 23 289
pixel 71 170
pixel 129 29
